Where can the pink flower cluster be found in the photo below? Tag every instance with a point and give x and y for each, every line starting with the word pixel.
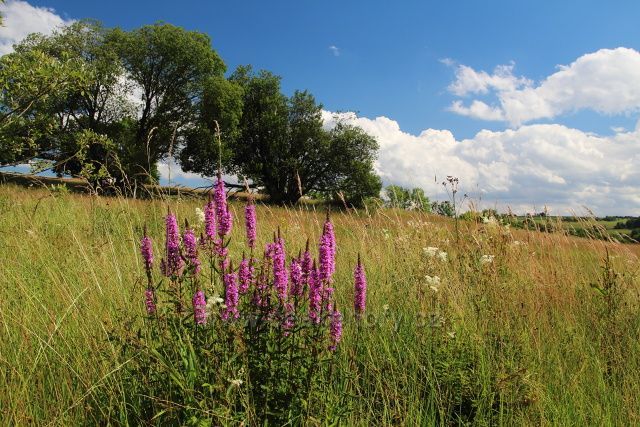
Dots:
pixel 281 290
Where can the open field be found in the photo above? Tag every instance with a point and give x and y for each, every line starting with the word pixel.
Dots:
pixel 542 334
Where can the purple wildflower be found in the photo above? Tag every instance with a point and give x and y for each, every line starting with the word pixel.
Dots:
pixel 295 273
pixel 327 298
pixel 245 275
pixel 335 329
pixel 199 308
pixel 210 219
pixel 360 289
pixel 174 261
pixel 223 215
pixel 315 295
pixel 306 263
pixel 147 251
pixel 327 251
pixel 288 320
pixel 191 249
pixel 280 276
pixel 231 296
pixel 250 223
pixel 150 300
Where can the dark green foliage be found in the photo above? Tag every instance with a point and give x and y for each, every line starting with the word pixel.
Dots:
pixel 136 92
pixel 279 142
pixel 443 208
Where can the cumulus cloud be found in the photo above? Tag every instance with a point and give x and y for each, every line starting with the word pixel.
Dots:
pixel 525 168
pixel 21 19
pixel 335 50
pixel 606 81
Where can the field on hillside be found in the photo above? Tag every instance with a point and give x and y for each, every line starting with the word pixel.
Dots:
pixel 509 327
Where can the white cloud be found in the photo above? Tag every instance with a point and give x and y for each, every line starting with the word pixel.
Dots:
pixel 335 50
pixel 469 80
pixel 525 168
pixel 606 81
pixel 477 110
pixel 21 19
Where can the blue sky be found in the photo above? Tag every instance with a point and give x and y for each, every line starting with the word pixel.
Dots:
pixel 389 55
pixel 552 81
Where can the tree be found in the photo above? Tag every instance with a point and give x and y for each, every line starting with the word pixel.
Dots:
pixel 170 66
pixel 221 104
pixel 443 208
pixel 107 97
pixel 403 198
pixel 32 83
pixel 280 144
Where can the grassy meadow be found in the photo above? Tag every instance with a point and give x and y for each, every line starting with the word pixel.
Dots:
pixel 511 327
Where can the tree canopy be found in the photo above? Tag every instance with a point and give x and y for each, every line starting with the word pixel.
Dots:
pixel 104 102
pixel 280 143
pixel 115 99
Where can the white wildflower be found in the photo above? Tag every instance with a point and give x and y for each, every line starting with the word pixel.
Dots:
pixel 430 251
pixel 200 215
pixel 236 383
pixel 213 304
pixel 433 282
pixel 442 255
pixel 489 220
pixel 486 259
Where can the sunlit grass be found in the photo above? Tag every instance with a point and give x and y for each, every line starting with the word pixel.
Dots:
pixel 523 339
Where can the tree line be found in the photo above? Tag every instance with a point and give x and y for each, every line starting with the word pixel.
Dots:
pixel 108 105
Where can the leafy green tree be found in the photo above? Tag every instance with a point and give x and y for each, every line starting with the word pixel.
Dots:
pixel 170 67
pixel 32 84
pixel 220 109
pixel 280 144
pixel 129 95
pixel 404 198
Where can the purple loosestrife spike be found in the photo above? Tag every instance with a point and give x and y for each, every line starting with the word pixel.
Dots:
pixel 250 223
pixel 360 289
pixel 327 298
pixel 288 321
pixel 210 219
pixel 335 329
pixel 199 308
pixel 174 262
pixel 280 276
pixel 146 248
pixel 327 253
pixel 149 300
pixel 326 258
pixel 191 248
pixel 231 295
pixel 315 296
pixel 245 275
pixel 295 274
pixel 223 216
pixel 306 264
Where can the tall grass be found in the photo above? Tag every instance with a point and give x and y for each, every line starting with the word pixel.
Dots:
pixel 548 332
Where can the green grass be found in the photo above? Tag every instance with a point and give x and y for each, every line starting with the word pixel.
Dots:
pixel 527 339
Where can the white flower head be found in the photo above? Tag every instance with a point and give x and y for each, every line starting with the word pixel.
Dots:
pixel 236 383
pixel 433 282
pixel 213 304
pixel 486 259
pixel 430 251
pixel 442 255
pixel 200 215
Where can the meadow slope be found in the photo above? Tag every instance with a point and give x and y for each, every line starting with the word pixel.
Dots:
pixel 545 333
